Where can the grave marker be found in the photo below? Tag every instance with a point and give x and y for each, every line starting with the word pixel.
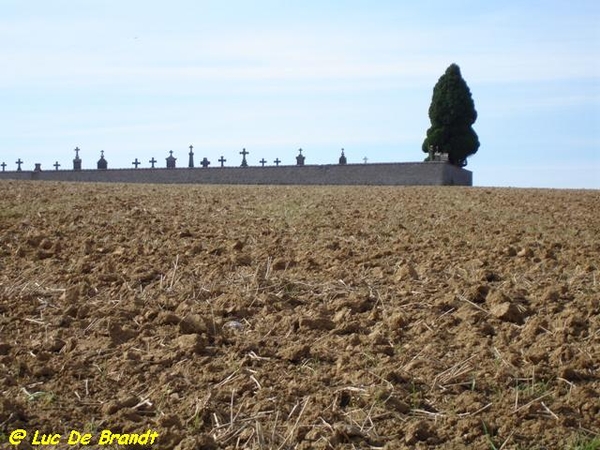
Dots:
pixel 38 167
pixel 136 163
pixel 300 158
pixel 171 160
pixel 365 159
pixel 205 162
pixel 102 163
pixel 18 163
pixel 222 160
pixel 191 161
pixel 56 165
pixel 3 166
pixel 244 153
pixel 343 158
pixel 263 162
pixel 277 161
pixel 77 160
pixel 153 161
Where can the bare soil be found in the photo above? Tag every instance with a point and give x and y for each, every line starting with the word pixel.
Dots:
pixel 301 317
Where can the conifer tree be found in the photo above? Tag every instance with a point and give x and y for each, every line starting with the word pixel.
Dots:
pixel 452 112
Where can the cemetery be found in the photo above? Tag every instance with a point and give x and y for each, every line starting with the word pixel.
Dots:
pixel 434 172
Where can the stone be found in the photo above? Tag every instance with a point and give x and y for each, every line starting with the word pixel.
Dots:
pixel 191 160
pixel 77 160
pixel 244 152
pixel 300 158
pixel 102 163
pixel 171 160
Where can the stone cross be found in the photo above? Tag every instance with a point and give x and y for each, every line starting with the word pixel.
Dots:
pixel 136 163
pixel 205 162
pixel 277 161
pixel 56 165
pixel 191 161
pixel 244 162
pixel 222 160
pixel 77 160
pixel 3 166
pixel 343 159
pixel 263 162
pixel 365 159
pixel 153 161
pixel 18 163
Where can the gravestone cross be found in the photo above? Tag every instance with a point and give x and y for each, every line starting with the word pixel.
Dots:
pixel 263 162
pixel 77 160
pixel 277 161
pixel 153 161
pixel 244 162
pixel 222 160
pixel 56 165
pixel 136 163
pixel 343 159
pixel 205 162
pixel 191 161
pixel 365 159
pixel 3 166
pixel 18 163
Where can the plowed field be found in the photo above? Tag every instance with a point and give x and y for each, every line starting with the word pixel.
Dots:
pixel 300 317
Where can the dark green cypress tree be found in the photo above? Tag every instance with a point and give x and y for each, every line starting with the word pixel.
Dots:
pixel 452 112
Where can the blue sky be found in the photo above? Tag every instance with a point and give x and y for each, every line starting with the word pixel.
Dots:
pixel 139 78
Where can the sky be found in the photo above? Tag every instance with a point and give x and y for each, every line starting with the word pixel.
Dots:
pixel 140 78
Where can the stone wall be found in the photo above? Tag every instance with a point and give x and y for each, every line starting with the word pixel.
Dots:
pixel 418 173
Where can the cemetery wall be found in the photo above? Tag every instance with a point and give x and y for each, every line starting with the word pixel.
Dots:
pixel 417 173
